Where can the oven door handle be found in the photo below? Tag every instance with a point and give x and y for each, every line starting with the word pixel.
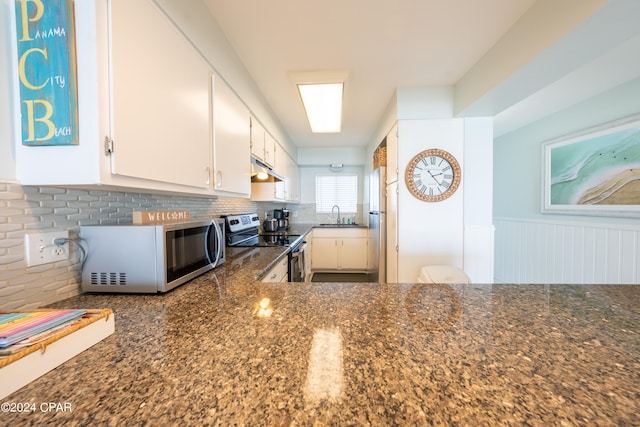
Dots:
pixel 296 259
pixel 302 260
pixel 246 239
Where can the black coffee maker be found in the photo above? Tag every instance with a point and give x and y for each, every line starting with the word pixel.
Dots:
pixel 282 215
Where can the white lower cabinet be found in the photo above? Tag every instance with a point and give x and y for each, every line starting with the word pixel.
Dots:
pixel 279 273
pixel 325 253
pixel 339 249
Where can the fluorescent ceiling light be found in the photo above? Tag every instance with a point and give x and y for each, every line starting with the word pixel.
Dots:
pixel 323 105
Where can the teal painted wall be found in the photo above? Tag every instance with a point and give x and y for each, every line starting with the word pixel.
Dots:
pixel 517 155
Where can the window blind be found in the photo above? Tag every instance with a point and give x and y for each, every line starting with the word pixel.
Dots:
pixel 341 190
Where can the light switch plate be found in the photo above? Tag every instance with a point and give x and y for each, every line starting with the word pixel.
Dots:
pixel 40 249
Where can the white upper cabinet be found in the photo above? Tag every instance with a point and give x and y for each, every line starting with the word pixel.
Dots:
pixel 231 142
pixel 293 187
pixel 257 140
pixel 280 163
pixel 269 150
pixel 160 99
pixel 287 190
pixel 151 116
pixel 281 167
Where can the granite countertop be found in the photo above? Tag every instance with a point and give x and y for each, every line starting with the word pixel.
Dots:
pixel 224 349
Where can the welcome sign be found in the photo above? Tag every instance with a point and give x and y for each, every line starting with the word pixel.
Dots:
pixel 47 72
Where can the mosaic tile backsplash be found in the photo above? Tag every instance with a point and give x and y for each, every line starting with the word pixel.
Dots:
pixel 25 209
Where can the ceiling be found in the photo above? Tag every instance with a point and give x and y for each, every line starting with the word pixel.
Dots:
pixel 384 45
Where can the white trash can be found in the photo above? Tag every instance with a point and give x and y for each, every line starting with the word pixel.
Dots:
pixel 442 274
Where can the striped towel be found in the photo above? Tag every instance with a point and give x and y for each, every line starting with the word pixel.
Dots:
pixel 15 327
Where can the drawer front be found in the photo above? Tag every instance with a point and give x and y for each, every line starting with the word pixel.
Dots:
pixel 340 232
pixel 279 272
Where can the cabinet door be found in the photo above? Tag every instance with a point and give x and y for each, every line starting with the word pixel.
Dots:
pixel 160 98
pixel 392 233
pixel 280 163
pixel 293 176
pixel 392 155
pixel 269 149
pixel 280 166
pixel 231 140
pixel 325 254
pixel 257 139
pixel 263 191
pixel 288 177
pixel 279 190
pixel 279 273
pixel 353 253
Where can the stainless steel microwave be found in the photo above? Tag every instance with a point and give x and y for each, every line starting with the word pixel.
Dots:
pixel 150 258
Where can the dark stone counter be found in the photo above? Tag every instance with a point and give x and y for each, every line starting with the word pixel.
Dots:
pixel 227 350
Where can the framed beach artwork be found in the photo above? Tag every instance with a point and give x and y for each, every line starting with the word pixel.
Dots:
pixel 596 172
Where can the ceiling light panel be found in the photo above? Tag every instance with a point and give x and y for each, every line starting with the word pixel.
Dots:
pixel 323 105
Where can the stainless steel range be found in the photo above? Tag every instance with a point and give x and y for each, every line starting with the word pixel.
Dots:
pixel 243 230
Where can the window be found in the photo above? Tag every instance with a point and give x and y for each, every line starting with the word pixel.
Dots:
pixel 341 190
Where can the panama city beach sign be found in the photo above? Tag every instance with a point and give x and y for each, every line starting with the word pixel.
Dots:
pixel 47 72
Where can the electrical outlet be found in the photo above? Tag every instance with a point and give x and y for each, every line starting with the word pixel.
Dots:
pixel 40 248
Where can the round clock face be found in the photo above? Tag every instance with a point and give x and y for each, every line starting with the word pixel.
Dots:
pixel 433 175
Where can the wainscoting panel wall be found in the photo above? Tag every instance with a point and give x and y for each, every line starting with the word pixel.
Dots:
pixel 532 251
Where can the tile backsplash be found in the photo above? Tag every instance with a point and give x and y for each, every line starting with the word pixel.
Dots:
pixel 306 213
pixel 27 209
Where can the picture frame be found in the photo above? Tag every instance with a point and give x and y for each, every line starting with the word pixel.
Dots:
pixel 47 69
pixel 594 172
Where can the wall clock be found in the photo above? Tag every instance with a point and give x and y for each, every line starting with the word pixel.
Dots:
pixel 433 175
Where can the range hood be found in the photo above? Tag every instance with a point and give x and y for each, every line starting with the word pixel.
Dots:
pixel 260 170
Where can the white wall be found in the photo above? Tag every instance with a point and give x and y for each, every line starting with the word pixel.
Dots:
pixel 457 231
pixel 7 87
pixel 478 199
pixel 428 102
pixel 517 187
pixel 556 251
pixel 308 180
pixel 388 119
pixel 325 156
pixel 429 233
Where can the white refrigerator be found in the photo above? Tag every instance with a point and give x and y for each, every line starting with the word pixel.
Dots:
pixel 377 225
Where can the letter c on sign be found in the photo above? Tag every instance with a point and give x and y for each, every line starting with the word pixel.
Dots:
pixel 21 68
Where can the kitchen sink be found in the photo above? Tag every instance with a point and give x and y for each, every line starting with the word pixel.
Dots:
pixel 334 225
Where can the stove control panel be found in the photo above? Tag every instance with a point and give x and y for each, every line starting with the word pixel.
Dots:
pixel 240 222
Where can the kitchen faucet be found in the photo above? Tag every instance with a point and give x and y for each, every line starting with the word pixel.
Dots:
pixel 334 207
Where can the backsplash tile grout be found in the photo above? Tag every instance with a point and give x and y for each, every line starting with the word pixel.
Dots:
pixel 26 209
pixel 29 209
